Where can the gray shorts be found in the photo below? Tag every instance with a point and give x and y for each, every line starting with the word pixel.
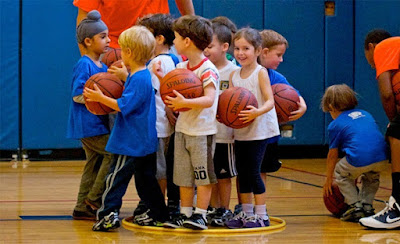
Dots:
pixel 161 162
pixel 193 160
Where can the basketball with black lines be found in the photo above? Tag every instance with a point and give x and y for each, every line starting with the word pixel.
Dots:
pixel 231 102
pixel 110 85
pixel 286 99
pixel 335 202
pixel 183 81
pixel 112 55
pixel 396 86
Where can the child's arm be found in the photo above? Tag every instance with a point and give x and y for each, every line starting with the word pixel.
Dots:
pixel 121 73
pixel 205 101
pixel 97 96
pixel 331 161
pixel 295 115
pixel 266 91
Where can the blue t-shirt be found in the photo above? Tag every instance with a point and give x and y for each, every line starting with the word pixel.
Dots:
pixel 134 133
pixel 81 122
pixel 355 133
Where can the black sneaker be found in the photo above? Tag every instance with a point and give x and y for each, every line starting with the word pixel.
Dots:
pixel 368 210
pixel 388 218
pixel 141 208
pixel 353 214
pixel 176 222
pixel 145 220
pixel 89 214
pixel 108 222
pixel 238 209
pixel 221 217
pixel 211 212
pixel 196 222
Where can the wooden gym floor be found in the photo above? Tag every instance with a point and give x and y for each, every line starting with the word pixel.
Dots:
pixel 36 203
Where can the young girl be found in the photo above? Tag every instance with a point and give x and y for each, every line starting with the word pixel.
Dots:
pixel 251 141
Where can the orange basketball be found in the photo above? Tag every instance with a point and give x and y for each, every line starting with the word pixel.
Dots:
pixel 396 86
pixel 110 85
pixel 231 102
pixel 286 99
pixel 335 202
pixel 183 81
pixel 112 55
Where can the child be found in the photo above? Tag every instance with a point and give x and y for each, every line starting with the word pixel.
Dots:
pixel 383 54
pixel 274 46
pixel 92 130
pixel 195 129
pixel 222 20
pixel 224 160
pixel 251 141
pixel 133 138
pixel 161 27
pixel 354 132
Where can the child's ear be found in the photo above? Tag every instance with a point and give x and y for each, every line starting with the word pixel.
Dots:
pixel 160 39
pixel 225 47
pixel 87 41
pixel 371 46
pixel 265 51
pixel 187 41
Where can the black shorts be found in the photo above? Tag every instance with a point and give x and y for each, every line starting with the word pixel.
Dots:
pixel 224 161
pixel 271 161
pixel 394 128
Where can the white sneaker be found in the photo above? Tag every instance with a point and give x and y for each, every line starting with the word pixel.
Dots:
pixel 388 218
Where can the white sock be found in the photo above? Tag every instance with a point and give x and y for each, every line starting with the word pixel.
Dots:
pixel 248 208
pixel 261 210
pixel 201 211
pixel 187 211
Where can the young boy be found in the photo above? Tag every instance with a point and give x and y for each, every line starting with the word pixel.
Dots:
pixel 354 132
pixel 224 159
pixel 195 129
pixel 133 139
pixel 161 27
pixel 92 130
pixel 383 54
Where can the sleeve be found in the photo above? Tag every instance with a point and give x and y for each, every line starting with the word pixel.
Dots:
pixel 386 57
pixel 132 97
pixel 81 75
pixel 333 135
pixel 87 5
pixel 209 75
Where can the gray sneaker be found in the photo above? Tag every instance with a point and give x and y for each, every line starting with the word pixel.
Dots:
pixel 108 222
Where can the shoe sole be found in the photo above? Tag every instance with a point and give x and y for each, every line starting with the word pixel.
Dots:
pixel 380 227
pixel 194 226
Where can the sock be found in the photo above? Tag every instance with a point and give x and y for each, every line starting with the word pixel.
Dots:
pixel 261 210
pixel 187 211
pixel 248 208
pixel 396 186
pixel 201 211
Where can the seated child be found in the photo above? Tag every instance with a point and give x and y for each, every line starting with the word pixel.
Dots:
pixel 354 132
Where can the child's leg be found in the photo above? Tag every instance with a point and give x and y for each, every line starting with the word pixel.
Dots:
pixel 161 174
pixel 370 182
pixel 346 175
pixel 172 189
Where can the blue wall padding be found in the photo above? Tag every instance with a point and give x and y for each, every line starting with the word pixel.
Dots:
pixel 370 15
pixel 9 65
pixel 49 54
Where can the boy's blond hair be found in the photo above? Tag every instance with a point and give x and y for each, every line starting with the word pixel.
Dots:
pixel 140 41
pixel 196 28
pixel 272 38
pixel 339 97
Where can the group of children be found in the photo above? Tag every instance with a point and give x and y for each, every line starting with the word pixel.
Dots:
pixel 190 153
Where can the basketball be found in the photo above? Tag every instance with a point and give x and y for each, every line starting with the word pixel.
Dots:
pixel 335 202
pixel 286 98
pixel 119 65
pixel 396 86
pixel 183 81
pixel 231 102
pixel 111 56
pixel 110 85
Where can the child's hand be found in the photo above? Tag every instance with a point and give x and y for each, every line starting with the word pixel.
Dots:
pixel 328 186
pixel 177 102
pixel 171 116
pixel 157 70
pixel 93 95
pixel 121 73
pixel 248 115
pixel 295 115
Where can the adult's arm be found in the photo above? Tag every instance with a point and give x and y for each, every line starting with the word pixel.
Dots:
pixel 386 93
pixel 185 7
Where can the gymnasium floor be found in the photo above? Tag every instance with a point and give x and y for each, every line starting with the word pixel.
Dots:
pixel 36 203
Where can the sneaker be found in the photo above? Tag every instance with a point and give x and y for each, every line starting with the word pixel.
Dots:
pixel 93 205
pixel 221 217
pixel 84 215
pixel 388 218
pixel 145 220
pixel 140 209
pixel 238 221
pixel 238 209
pixel 195 222
pixel 256 221
pixel 368 210
pixel 108 222
pixel 176 221
pixel 353 214
pixel 211 212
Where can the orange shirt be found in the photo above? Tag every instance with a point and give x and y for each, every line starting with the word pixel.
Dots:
pixel 387 55
pixel 119 15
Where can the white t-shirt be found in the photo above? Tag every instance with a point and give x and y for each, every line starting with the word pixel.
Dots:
pixel 264 126
pixel 225 133
pixel 200 122
pixel 164 128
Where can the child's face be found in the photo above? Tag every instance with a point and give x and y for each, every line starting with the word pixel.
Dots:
pixel 244 52
pixel 179 43
pixel 216 51
pixel 100 42
pixel 272 57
